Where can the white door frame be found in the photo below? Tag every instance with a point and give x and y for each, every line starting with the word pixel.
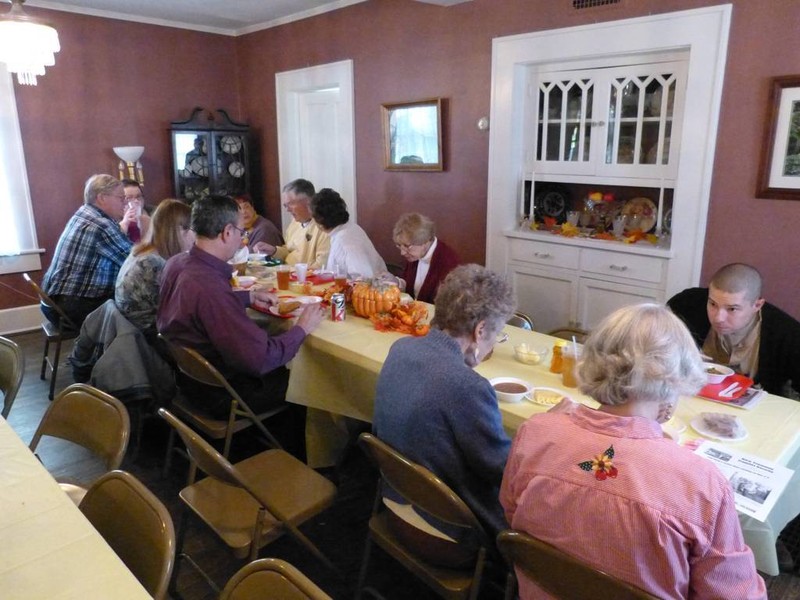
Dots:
pixel 289 86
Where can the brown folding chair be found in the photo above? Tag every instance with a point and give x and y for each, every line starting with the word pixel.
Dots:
pixel 521 320
pixel 240 417
pixel 271 579
pixel 88 417
pixel 12 367
pixel 252 503
pixel 136 525
pixel 567 333
pixel 560 574
pixel 426 491
pixel 55 334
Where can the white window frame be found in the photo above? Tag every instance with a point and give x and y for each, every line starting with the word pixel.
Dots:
pixel 16 212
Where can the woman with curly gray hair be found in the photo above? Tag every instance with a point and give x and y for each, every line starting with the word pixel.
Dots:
pixel 608 488
pixel 435 409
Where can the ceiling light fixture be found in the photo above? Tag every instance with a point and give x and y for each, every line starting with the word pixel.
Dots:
pixel 27 45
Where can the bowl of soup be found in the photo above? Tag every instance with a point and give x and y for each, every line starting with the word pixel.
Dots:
pixel 510 389
pixel 717 373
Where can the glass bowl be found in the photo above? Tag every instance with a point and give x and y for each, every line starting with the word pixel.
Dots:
pixel 531 354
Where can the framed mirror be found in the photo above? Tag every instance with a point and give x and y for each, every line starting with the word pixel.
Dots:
pixel 412 135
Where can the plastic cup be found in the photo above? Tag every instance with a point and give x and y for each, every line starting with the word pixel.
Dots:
pixel 572 217
pixel 301 269
pixel 619 225
pixel 282 273
pixel 569 358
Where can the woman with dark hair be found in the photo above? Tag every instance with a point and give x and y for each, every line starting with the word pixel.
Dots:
pixel 432 406
pixel 137 288
pixel 608 488
pixel 258 228
pixel 351 249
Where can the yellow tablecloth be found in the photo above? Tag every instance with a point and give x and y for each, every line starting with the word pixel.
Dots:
pixel 337 368
pixel 49 549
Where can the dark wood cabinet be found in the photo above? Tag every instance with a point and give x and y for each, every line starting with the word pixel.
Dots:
pixel 211 154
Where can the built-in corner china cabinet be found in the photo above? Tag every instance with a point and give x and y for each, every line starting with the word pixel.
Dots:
pixel 589 124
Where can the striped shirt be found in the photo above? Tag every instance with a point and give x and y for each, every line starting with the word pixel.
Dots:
pixel 659 517
pixel 88 256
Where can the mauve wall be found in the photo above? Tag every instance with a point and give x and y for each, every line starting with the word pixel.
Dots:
pixel 401 50
pixel 115 83
pixel 405 50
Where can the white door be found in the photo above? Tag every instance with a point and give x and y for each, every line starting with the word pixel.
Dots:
pixel 316 133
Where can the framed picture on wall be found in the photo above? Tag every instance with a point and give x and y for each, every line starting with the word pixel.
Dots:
pixel 779 175
pixel 412 135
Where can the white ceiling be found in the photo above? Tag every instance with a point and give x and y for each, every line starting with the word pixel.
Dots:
pixel 228 17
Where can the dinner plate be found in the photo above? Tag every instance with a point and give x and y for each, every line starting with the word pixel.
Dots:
pixel 303 300
pixel 699 426
pixel 645 209
pixel 532 396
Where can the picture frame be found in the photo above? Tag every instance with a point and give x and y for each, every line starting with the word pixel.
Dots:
pixel 779 173
pixel 412 135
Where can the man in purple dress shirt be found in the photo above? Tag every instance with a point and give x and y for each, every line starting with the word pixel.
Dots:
pixel 199 309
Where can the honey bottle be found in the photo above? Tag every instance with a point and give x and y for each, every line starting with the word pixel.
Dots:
pixel 557 362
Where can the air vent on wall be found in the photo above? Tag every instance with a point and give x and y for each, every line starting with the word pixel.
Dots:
pixel 578 4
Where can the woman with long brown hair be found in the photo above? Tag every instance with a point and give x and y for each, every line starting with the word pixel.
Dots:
pixel 138 282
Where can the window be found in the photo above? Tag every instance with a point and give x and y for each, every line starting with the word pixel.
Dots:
pixel 19 249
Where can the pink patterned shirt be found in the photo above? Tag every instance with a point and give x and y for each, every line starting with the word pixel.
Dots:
pixel 616 494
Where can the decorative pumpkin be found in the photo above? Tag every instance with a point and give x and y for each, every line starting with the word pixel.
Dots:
pixel 370 299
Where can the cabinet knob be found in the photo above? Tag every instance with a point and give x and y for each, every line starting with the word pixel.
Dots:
pixel 618 267
pixel 542 254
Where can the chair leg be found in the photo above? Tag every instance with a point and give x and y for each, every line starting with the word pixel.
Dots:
pixel 511 585
pixel 476 577
pixel 44 358
pixel 54 368
pixel 170 450
pixel 362 573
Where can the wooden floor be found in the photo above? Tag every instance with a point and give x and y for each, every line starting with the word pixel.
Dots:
pixel 340 532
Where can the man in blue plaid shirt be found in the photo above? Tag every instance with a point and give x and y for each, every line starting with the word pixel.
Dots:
pixel 90 251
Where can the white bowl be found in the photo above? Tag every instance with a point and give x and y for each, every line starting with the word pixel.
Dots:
pixel 245 281
pixel 530 355
pixel 523 388
pixel 717 373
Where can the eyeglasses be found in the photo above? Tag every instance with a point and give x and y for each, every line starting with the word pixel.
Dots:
pixel 242 232
pixel 501 338
pixel 406 247
pixel 133 198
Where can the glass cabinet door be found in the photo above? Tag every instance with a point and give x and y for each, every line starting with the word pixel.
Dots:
pixel 230 163
pixel 640 116
pixel 192 166
pixel 564 123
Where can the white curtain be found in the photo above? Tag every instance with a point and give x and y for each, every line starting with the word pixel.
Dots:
pixel 17 231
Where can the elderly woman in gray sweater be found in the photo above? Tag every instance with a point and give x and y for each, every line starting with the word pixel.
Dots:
pixel 435 409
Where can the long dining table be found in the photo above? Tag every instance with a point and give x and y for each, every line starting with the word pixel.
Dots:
pixel 49 549
pixel 335 372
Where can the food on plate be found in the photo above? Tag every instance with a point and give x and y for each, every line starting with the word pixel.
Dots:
pixel 714 371
pixel 287 306
pixel 403 318
pixel 510 387
pixel 725 426
pixel 547 396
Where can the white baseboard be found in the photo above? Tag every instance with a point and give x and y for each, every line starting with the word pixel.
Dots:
pixel 20 319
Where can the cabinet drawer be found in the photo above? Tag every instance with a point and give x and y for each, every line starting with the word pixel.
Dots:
pixel 542 253
pixel 628 266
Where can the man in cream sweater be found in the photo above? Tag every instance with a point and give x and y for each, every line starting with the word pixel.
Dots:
pixel 305 240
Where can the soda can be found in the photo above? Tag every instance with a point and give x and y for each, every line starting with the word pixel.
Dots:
pixel 337 307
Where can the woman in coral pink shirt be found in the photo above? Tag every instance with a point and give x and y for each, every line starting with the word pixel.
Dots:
pixel 607 487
